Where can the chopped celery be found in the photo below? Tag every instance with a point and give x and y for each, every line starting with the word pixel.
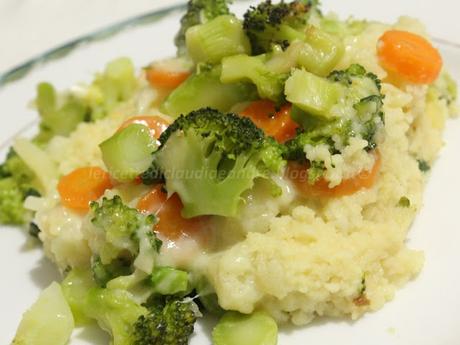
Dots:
pixel 220 37
pixel 311 93
pixel 320 53
pixel 204 89
pixel 48 322
pixel 234 328
pixel 169 281
pixel 253 68
pixel 128 153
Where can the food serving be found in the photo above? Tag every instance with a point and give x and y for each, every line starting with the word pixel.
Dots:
pixel 268 174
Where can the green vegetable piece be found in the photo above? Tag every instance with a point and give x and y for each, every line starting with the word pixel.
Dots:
pixel 244 68
pixel 75 288
pixel 198 12
pixel 116 312
pixel 220 37
pixel 128 152
pixel 210 159
pixel 121 231
pixel 17 182
pixel 311 93
pixel 320 53
pixel 169 281
pixel 58 121
pixel 255 329
pixel 170 321
pixel 423 165
pixel 204 89
pixel 102 274
pixel 48 322
pixel 404 202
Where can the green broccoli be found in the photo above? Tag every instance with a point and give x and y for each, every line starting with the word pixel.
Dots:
pixel 161 320
pixel 269 24
pixel 102 274
pixel 210 158
pixel 168 322
pixel 17 182
pixel 123 232
pixel 346 104
pixel 198 12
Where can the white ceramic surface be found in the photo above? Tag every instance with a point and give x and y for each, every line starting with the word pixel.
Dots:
pixel 425 312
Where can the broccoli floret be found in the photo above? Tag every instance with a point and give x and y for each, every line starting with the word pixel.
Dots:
pixel 210 158
pixel 102 274
pixel 123 232
pixel 164 320
pixel 198 12
pixel 350 105
pixel 17 182
pixel 168 323
pixel 268 24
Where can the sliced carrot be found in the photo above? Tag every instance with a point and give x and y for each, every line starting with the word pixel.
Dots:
pixel 298 173
pixel 82 186
pixel 156 124
pixel 164 78
pixel 274 122
pixel 168 210
pixel 409 56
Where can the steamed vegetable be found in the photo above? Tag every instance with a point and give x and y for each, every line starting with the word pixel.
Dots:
pixel 128 153
pixel 169 281
pixel 198 12
pixel 168 209
pixel 282 23
pixel 209 159
pixel 123 232
pixel 275 122
pixel 350 106
pixel 17 182
pixel 48 322
pixel 161 320
pixel 409 56
pixel 254 329
pixel 204 89
pixel 220 37
pixel 254 69
pixel 82 186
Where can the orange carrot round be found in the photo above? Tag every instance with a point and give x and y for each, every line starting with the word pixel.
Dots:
pixel 274 122
pixel 409 56
pixel 82 186
pixel 164 78
pixel 156 124
pixel 298 173
pixel 168 210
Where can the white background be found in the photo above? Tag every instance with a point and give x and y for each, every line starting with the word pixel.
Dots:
pixel 28 27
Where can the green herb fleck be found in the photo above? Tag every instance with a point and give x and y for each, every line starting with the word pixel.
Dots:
pixel 423 165
pixel 404 202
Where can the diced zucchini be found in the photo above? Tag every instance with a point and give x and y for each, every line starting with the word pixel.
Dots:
pixel 220 37
pixel 313 94
pixel 205 89
pixel 236 329
pixel 48 322
pixel 128 153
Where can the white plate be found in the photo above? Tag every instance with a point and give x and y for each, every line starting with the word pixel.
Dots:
pixel 425 312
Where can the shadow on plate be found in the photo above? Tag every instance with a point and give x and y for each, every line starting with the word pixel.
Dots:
pixel 44 273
